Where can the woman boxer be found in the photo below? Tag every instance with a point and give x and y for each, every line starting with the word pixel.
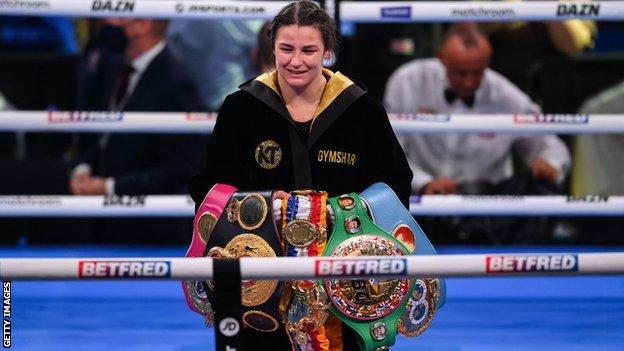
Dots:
pixel 302 127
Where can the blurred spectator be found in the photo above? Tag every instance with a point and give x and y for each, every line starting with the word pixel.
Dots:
pixel 38 34
pixel 598 165
pixel 217 52
pixel 520 46
pixel 147 78
pixel 598 170
pixel 263 53
pixel 106 47
pixel 459 81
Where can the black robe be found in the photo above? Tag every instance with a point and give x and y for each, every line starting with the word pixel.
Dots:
pixel 257 146
pixel 351 144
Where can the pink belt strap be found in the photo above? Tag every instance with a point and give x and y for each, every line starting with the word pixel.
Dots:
pixel 205 220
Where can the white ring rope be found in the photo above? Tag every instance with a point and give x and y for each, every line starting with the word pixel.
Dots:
pixel 438 205
pixel 508 123
pixel 415 11
pixel 203 123
pixel 482 11
pixel 97 122
pixel 145 8
pixel 287 268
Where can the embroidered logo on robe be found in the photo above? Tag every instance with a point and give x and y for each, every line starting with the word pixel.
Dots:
pixel 268 154
pixel 341 157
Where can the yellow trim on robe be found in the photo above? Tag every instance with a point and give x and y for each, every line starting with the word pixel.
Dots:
pixel 336 84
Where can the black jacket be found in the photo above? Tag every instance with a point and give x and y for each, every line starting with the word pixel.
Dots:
pixel 351 144
pixel 145 163
pixel 142 163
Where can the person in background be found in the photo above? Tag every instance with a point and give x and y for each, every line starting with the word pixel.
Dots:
pixel 104 48
pixel 459 81
pixel 143 77
pixel 285 129
pixel 263 53
pixel 598 167
pixel 218 53
pixel 598 158
pixel 147 78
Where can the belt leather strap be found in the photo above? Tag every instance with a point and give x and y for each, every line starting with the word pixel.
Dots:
pixel 228 311
pixel 208 213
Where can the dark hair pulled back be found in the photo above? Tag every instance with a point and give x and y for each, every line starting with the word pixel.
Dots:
pixel 306 13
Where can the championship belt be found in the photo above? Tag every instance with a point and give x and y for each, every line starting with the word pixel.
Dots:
pixel 304 232
pixel 206 218
pixel 247 229
pixel 371 307
pixel 429 295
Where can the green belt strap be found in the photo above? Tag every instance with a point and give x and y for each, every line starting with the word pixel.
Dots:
pixel 339 234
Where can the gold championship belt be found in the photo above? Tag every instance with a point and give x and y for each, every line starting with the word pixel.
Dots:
pixel 247 229
pixel 371 306
pixel 305 304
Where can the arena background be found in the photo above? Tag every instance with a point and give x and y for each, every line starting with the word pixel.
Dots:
pixel 46 80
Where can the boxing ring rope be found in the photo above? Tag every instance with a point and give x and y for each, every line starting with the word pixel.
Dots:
pixel 292 268
pixel 435 205
pixel 482 11
pixel 145 9
pixel 203 123
pixel 105 121
pixel 415 11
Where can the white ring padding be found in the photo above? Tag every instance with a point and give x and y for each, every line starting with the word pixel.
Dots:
pixel 508 123
pixel 435 205
pixel 203 123
pixel 104 121
pixel 96 206
pixel 288 268
pixel 426 11
pixel 145 8
pixel 480 11
pixel 516 205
